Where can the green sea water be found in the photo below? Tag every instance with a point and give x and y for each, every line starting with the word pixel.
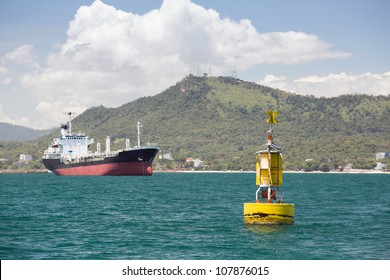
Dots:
pixel 191 216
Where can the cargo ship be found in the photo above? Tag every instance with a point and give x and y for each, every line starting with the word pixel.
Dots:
pixel 70 155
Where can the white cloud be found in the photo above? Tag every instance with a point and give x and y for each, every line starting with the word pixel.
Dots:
pixel 21 55
pixel 4 118
pixel 333 84
pixel 5 79
pixel 274 81
pixel 111 57
pixel 3 70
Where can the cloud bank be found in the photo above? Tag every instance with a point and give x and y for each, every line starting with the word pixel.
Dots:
pixel 112 57
pixel 332 84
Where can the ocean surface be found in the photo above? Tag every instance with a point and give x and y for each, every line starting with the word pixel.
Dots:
pixel 191 216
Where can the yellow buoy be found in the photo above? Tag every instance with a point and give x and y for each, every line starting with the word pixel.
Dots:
pixel 268 213
pixel 269 207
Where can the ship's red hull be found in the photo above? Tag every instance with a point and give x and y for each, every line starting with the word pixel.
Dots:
pixel 136 162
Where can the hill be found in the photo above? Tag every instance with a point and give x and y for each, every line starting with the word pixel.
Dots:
pixel 221 120
pixel 10 132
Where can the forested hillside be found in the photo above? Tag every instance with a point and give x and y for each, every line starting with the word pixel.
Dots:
pixel 221 120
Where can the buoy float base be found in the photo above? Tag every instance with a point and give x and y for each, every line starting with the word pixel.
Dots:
pixel 268 213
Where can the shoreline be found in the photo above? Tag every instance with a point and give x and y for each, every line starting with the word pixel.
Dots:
pixel 349 171
pixel 25 171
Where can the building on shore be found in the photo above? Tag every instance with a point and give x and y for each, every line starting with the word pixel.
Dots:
pixel 197 162
pixel 24 160
pixel 381 166
pixel 382 155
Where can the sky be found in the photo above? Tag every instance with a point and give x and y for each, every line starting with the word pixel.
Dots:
pixel 70 55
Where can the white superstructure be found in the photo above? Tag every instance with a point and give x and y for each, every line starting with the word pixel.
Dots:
pixel 69 146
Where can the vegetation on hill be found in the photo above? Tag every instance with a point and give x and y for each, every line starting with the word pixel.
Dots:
pixel 221 120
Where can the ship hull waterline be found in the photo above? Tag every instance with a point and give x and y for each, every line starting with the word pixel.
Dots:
pixel 268 213
pixel 107 169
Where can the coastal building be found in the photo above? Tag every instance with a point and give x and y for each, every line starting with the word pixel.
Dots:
pixel 197 162
pixel 349 166
pixel 166 155
pixel 24 160
pixel 382 155
pixel 381 166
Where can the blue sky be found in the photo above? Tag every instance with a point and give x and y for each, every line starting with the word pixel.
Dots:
pixel 322 48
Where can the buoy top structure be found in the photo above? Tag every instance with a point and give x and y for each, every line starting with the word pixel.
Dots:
pixel 269 207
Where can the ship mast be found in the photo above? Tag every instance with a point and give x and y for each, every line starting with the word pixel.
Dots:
pixel 139 125
pixel 70 122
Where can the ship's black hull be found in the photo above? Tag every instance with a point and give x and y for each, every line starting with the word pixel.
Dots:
pixel 125 163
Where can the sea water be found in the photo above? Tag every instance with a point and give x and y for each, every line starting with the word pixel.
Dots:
pixel 191 216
